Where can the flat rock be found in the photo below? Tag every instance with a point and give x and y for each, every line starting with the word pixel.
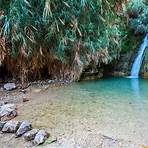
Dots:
pixel 30 135
pixel 40 137
pixel 8 112
pixel 11 127
pixel 9 86
pixel 2 123
pixel 25 126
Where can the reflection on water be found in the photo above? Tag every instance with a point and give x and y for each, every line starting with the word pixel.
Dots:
pixel 135 88
pixel 135 85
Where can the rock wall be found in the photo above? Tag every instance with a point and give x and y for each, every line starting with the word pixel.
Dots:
pixel 144 68
pixel 124 64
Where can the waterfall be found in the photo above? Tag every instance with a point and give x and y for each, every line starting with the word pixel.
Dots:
pixel 138 61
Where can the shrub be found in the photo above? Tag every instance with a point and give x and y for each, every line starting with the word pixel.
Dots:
pixel 61 36
pixel 138 16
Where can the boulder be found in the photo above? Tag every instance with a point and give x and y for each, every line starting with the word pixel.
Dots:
pixel 11 127
pixel 2 123
pixel 30 135
pixel 9 86
pixel 40 137
pixel 25 126
pixel 8 112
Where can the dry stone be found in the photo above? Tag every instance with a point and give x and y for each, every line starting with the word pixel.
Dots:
pixel 30 135
pixel 11 127
pixel 8 112
pixel 40 137
pixel 9 86
pixel 2 123
pixel 24 127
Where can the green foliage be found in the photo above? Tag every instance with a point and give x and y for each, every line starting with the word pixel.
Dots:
pixel 70 30
pixel 130 42
pixel 139 18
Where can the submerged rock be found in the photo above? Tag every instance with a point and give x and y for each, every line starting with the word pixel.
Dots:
pixel 24 127
pixel 11 127
pixel 40 137
pixel 2 123
pixel 30 135
pixel 25 99
pixel 8 112
pixel 51 81
pixel 9 86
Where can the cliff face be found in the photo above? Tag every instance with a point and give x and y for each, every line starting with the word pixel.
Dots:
pixel 137 27
pixel 144 68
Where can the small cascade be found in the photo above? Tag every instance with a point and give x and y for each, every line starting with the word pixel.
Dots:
pixel 138 61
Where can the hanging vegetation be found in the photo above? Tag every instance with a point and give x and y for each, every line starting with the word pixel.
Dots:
pixel 59 37
pixel 138 16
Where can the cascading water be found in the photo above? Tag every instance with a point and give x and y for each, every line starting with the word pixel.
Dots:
pixel 138 61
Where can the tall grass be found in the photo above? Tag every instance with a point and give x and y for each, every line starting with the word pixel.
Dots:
pixel 61 36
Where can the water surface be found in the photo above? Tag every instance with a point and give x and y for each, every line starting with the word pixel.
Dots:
pixel 115 107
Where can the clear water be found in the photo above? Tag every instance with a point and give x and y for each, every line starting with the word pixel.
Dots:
pixel 115 107
pixel 138 61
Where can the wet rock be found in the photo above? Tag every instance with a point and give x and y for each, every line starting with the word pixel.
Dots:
pixel 40 137
pixel 11 127
pixel 25 126
pixel 8 112
pixel 30 135
pixel 123 66
pixel 51 81
pixel 118 73
pixel 24 91
pixel 9 86
pixel 2 123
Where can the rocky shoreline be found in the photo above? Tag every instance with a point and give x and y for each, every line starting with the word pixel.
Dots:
pixel 12 92
pixel 20 128
pixel 36 136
